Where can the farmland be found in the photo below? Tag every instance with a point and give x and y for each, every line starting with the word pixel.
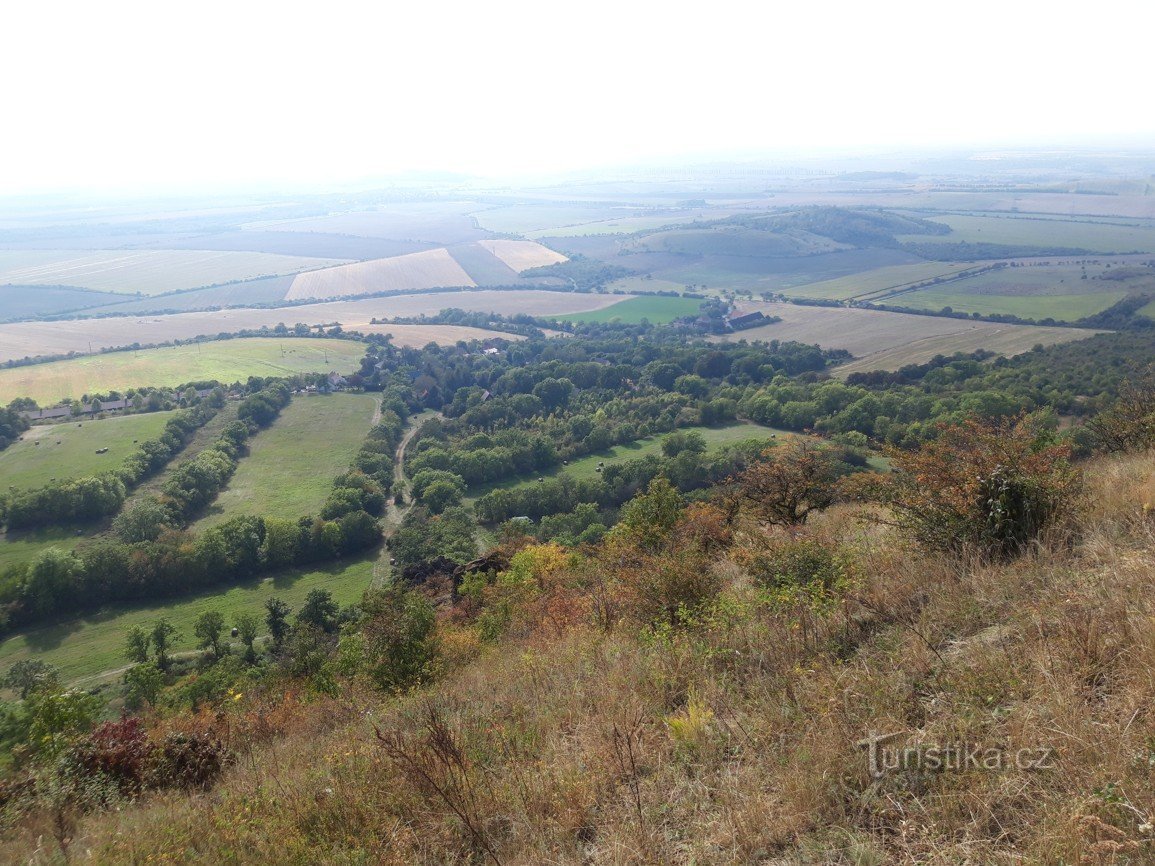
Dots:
pixel 1064 308
pixel 29 339
pixel 68 450
pixel 877 280
pixel 223 360
pixel 658 309
pixel 145 271
pixel 1100 237
pixel 92 646
pixel 523 218
pixel 290 467
pixel 19 302
pixel 430 269
pixel 882 340
pixel 441 222
pixel 522 255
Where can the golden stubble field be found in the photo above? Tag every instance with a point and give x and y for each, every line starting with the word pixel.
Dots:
pixel 31 339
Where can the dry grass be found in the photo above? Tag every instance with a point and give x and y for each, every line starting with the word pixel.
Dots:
pixel 523 255
pixel 430 269
pixel 734 740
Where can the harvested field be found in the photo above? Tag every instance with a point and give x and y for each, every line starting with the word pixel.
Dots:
pixel 886 341
pixel 434 222
pixel 146 271
pixel 25 302
pixel 430 269
pixel 223 360
pixel 31 339
pixel 523 255
pixel 877 280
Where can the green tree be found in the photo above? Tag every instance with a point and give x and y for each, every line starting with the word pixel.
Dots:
pixel 137 645
pixel 208 628
pixel 142 685
pixel 164 635
pixel 319 610
pixel 247 627
pixel 277 620
pixel 29 675
pixel 399 637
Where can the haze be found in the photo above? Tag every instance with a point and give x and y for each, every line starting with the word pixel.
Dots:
pixel 135 95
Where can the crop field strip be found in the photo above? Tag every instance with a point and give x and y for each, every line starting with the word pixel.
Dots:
pixel 431 269
pixel 522 255
pixel 222 360
pixel 69 449
pixel 1063 308
pixel 92 647
pixel 146 271
pixel 1090 235
pixel 657 309
pixel 30 339
pixel 290 467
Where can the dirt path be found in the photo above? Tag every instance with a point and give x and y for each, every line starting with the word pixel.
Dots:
pixel 394 514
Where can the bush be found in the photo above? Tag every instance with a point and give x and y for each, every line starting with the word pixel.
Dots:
pixel 984 486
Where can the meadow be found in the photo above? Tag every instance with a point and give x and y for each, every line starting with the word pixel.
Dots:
pixel 290 467
pixel 658 309
pixel 16 549
pixel 1100 237
pixel 91 648
pixel 146 271
pixel 29 339
pixel 68 450
pixel 223 360
pixel 1063 308
pixel 586 467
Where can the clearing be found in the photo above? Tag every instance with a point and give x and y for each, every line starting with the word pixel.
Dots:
pixel 68 450
pixel 91 648
pixel 149 272
pixel 290 467
pixel 223 360
pixel 431 269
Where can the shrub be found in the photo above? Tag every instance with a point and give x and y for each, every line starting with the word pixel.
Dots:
pixel 988 486
pixel 189 760
pixel 796 479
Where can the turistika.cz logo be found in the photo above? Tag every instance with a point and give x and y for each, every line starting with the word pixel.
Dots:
pixel 950 757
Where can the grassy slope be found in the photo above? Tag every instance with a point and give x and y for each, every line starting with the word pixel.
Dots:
pixel 290 467
pixel 223 360
pixel 739 737
pixel 68 450
pixel 658 309
pixel 90 646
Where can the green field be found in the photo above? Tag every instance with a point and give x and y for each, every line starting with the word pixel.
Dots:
pixel 1035 231
pixel 68 450
pixel 644 284
pixel 586 467
pixel 89 647
pixel 291 466
pixel 877 280
pixel 658 309
pixel 15 550
pixel 1062 308
pixel 149 272
pixel 1148 310
pixel 224 360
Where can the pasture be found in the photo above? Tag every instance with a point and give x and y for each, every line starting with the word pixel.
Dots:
pixel 885 341
pixel 29 339
pixel 430 269
pixel 68 450
pixel 91 648
pixel 149 272
pixel 657 309
pixel 1063 308
pixel 223 360
pixel 1099 237
pixel 586 467
pixel 17 549
pixel 290 467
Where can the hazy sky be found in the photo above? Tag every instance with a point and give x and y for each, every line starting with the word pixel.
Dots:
pixel 111 93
